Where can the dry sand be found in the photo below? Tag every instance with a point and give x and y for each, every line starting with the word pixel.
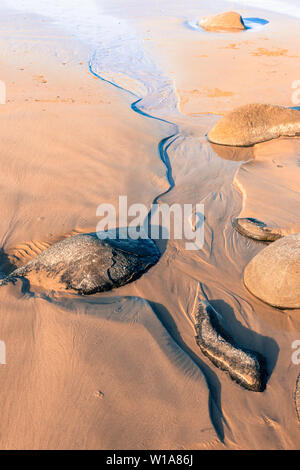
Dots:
pixel 270 184
pixel 122 369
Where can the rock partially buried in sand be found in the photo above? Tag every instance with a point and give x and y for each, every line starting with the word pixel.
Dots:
pixel 297 396
pixel 254 123
pixel 244 367
pixel 229 21
pixel 256 229
pixel 273 275
pixel 86 265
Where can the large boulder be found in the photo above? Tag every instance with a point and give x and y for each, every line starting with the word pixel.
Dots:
pixel 253 123
pixel 273 275
pixel 229 20
pixel 86 265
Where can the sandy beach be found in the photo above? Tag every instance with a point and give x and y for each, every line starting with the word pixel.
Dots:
pixel 107 100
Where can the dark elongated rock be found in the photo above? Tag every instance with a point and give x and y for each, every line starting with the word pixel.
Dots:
pixel 247 368
pixel 257 230
pixel 253 123
pixel 273 275
pixel 86 264
pixel 297 396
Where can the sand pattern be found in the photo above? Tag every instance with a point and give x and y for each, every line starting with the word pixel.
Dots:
pixel 269 185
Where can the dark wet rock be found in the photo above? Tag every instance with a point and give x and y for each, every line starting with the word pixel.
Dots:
pixel 85 264
pixel 254 123
pixel 253 228
pixel 273 275
pixel 228 21
pixel 247 368
pixel 297 396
